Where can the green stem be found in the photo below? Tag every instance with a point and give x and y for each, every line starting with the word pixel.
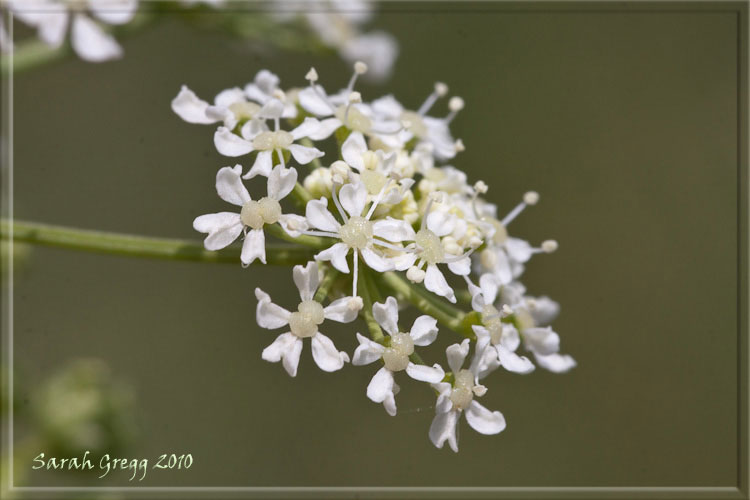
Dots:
pixel 309 241
pixel 301 194
pixel 325 286
pixel 376 333
pixel 140 246
pixel 446 314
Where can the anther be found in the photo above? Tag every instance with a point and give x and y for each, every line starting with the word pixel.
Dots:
pixel 549 246
pixel 531 198
pixel 480 187
pixel 441 89
pixel 312 76
pixel 459 146
pixel 360 68
pixel 455 104
pixel 415 275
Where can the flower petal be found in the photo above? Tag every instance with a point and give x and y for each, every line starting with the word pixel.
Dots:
pixel 432 374
pixel 325 129
pixel 367 352
pixel 441 223
pixel 254 247
pixel 541 341
pixel 325 354
pixel 483 420
pixel 230 187
pixel 393 230
pixel 343 310
pixel 381 385
pixel 91 43
pixel 311 101
pixel 274 352
pixel 262 165
pixel 320 217
pixel 293 224
pixel 352 149
pixel 306 278
pixel 281 181
pixel 307 127
pixel 190 108
pixel 518 249
pixel 544 311
pixel 424 330
pixel 557 363
pixel 513 362
pixel 376 261
pixel 222 228
pixel 461 267
pixel 229 144
pixel 353 198
pixel 435 282
pixel 386 314
pixel 456 354
pixel 337 255
pixel 303 154
pixel 114 12
pixel 443 428
pixel 269 315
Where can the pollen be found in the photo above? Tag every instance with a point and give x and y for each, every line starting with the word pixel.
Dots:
pixel 396 357
pixel 304 322
pixel 463 390
pixel 255 214
pixel 432 249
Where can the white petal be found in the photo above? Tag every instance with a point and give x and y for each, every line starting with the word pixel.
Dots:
pixel 337 255
pixel 461 267
pixel 230 187
pixel 325 129
pixel 222 228
pixel 306 279
pixel 290 359
pixel 319 217
pixel 269 315
pixel 303 154
pixel 352 149
pixel 52 26
pixel 274 352
pixel 443 428
pixel 490 285
pixel 375 261
pixel 544 311
pixel 386 314
pixel 510 338
pixel 404 261
pixel 443 403
pixel 513 362
pixel 367 352
pixel 91 43
pixel 435 282
pixel 388 106
pixel 114 12
pixel 313 103
pixel 424 330
pixel 262 165
pixel 483 420
pixel 272 109
pixel 541 340
pixel 325 354
pixel 281 181
pixel 456 354
pixel 502 268
pixel 252 128
pixel 353 198
pixel 190 108
pixel 229 144
pixel 220 114
pixel 519 250
pixel 393 230
pixel 307 127
pixel 557 363
pixel 254 247
pixel 380 386
pixel 389 403
pixel 292 224
pixel 441 223
pixel 432 374
pixel 343 310
pixel 227 97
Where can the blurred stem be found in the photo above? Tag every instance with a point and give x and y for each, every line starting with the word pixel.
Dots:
pixel 376 333
pixel 325 286
pixel 301 194
pixel 309 241
pixel 140 246
pixel 446 314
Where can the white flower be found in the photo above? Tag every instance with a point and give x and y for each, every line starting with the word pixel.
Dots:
pixel 304 323
pixel 395 356
pixel 457 398
pixel 52 17
pixel 230 107
pixel 357 233
pixel 264 87
pixel 224 227
pixel 266 142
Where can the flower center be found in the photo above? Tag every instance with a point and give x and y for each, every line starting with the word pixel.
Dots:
pixel 266 141
pixel 357 232
pixel 244 110
pixel 255 214
pixel 416 124
pixel 355 120
pixel 463 390
pixel 396 357
pixel 432 249
pixel 304 322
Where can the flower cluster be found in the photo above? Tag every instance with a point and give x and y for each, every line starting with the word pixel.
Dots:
pixel 387 224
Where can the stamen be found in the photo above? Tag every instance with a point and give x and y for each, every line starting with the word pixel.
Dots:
pixel 325 234
pixel 415 275
pixel 360 68
pixel 455 105
pixel 354 279
pixel 459 146
pixel 312 76
pixel 440 90
pixel 393 247
pixel 530 198
pixel 338 204
pixel 548 246
pixel 280 153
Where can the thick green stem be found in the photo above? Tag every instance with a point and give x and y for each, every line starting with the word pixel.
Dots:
pixel 376 333
pixel 141 246
pixel 446 314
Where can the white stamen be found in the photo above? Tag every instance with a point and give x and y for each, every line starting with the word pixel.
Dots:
pixel 549 246
pixel 354 278
pixel 338 204
pixel 480 187
pixel 459 146
pixel 531 198
pixel 441 89
pixel 415 275
pixel 311 76
pixel 360 68
pixel 456 104
pixel 355 97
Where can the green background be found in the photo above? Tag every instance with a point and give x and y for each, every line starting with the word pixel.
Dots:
pixel 625 123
